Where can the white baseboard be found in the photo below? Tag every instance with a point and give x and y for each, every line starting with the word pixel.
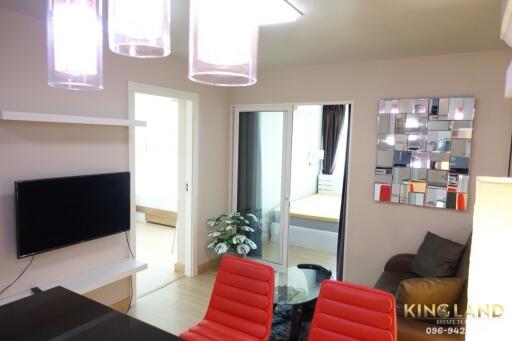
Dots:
pixel 324 241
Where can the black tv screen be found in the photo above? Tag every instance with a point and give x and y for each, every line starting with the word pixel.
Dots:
pixel 53 213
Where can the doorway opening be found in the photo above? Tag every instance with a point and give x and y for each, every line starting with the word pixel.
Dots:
pixel 288 170
pixel 319 145
pixel 162 164
pixel 156 190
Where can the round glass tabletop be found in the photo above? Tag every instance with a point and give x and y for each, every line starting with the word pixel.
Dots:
pixel 298 286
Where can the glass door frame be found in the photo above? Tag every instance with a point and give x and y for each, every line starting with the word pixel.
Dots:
pixel 287 110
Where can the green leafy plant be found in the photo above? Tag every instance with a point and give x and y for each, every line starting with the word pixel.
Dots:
pixel 230 233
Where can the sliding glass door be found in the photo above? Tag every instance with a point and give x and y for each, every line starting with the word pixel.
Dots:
pixel 261 173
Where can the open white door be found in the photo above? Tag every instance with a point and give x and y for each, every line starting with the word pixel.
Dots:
pixel 261 176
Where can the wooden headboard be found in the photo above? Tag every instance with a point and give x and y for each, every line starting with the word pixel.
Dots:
pixel 329 184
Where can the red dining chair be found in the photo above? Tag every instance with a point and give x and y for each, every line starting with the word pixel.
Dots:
pixel 349 312
pixel 241 304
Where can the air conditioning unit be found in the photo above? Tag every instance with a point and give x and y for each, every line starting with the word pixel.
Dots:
pixel 506 35
pixel 506 23
pixel 508 82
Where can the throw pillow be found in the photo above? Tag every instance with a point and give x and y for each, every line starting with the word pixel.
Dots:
pixel 437 257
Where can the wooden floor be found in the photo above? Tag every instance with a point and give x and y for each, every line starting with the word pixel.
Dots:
pixel 298 255
pixel 155 246
pixel 178 306
pixel 182 304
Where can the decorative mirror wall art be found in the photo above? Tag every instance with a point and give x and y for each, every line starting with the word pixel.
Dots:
pixel 423 151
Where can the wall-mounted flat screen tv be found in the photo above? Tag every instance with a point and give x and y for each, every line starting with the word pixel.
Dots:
pixel 53 213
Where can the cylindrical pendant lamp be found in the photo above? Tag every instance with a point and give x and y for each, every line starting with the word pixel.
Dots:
pixel 75 44
pixel 223 42
pixel 140 28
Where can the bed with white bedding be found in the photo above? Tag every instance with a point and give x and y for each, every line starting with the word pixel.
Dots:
pixel 314 222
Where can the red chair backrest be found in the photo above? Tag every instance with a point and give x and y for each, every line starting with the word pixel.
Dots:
pixel 352 312
pixel 243 297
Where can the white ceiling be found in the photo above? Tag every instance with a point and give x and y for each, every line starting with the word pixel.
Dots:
pixel 335 31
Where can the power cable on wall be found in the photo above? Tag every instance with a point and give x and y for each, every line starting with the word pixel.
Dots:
pixel 131 285
pixel 19 276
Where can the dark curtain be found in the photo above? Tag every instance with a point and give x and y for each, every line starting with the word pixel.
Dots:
pixel 343 212
pixel 332 124
pixel 249 173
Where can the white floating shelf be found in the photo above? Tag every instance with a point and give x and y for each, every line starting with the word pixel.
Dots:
pixel 68 119
pixel 90 280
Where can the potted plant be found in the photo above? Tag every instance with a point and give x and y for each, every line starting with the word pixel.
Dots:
pixel 230 233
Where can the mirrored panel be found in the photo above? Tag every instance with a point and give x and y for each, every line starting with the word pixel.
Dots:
pixel 439 141
pixel 386 142
pixel 401 175
pixel 404 193
pixel 401 142
pixel 461 147
pixel 406 106
pixel 382 192
pixel 383 175
pixel 386 124
pixel 395 193
pixel 416 199
pixel 459 164
pixel 459 181
pixel 420 160
pixel 410 124
pixel 402 158
pixel 389 106
pixel 384 158
pixel 438 125
pixel 437 178
pixel 443 105
pixel 436 197
pixel 416 142
pixel 440 161
pixel 417 187
pixel 424 150
pixel 418 174
pixel 461 129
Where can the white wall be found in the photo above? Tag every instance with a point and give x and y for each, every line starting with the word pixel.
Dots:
pixel 307 138
pixel 42 150
pixel 376 231
pixel 156 152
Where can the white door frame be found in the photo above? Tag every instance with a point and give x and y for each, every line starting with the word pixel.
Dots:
pixel 285 172
pixel 187 176
pixel 234 161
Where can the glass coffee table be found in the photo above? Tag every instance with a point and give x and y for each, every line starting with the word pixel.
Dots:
pixel 297 287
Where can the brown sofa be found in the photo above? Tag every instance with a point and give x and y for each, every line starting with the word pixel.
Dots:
pixel 398 269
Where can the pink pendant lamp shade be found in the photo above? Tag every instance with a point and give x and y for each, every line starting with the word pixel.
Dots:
pixel 140 28
pixel 223 42
pixel 75 44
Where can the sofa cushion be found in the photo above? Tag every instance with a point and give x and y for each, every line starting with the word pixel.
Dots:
pixel 437 257
pixel 389 281
pixel 428 291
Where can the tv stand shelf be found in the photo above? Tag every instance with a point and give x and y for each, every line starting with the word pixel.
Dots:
pixel 90 280
pixel 68 119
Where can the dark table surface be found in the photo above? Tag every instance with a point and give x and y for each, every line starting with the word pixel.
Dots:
pixel 60 314
pixel 297 286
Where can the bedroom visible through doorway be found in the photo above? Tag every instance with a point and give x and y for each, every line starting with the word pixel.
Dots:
pixel 319 144
pixel 156 189
pixel 289 168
